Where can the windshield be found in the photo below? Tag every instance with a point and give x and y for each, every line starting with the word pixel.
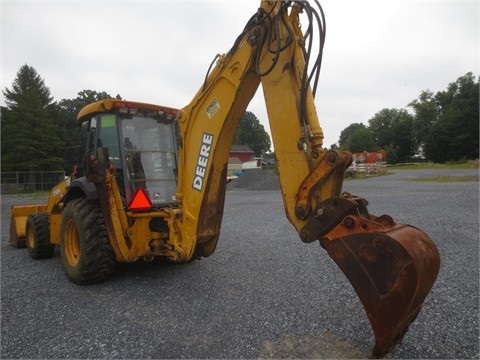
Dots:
pixel 149 148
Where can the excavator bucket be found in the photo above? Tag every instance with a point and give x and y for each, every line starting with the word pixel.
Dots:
pixel 392 267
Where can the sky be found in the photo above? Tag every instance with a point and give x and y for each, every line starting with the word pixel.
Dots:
pixel 377 54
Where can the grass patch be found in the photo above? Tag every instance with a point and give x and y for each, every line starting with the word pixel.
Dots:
pixel 470 164
pixel 445 179
pixel 360 176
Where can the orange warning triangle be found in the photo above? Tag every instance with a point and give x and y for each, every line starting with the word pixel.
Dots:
pixel 140 201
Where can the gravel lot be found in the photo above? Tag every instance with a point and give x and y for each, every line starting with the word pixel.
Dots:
pixel 262 294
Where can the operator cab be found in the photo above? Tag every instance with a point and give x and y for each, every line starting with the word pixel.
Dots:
pixel 141 144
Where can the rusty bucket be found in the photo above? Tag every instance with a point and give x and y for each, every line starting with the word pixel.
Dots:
pixel 392 268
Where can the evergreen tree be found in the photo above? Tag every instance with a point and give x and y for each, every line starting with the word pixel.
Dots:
pixel 31 138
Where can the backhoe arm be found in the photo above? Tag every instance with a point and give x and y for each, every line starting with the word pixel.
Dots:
pixel 392 267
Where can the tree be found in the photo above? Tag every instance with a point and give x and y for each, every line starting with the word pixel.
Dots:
pixel 68 110
pixel 31 139
pixel 446 124
pixel 426 112
pixel 250 132
pixel 349 130
pixel 357 138
pixel 361 140
pixel 392 153
pixel 394 128
pixel 459 118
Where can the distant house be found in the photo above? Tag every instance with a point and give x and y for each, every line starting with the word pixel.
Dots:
pixel 255 164
pixel 242 158
pixel 235 166
pixel 242 152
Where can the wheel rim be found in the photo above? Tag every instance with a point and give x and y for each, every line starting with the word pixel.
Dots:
pixel 72 243
pixel 30 237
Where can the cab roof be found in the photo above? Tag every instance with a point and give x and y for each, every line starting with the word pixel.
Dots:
pixel 107 105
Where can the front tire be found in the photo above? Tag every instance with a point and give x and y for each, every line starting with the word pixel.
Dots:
pixel 87 255
pixel 37 234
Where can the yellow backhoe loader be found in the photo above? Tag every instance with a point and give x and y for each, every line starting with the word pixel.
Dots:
pixel 152 182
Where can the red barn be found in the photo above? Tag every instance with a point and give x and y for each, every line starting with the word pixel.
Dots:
pixel 242 152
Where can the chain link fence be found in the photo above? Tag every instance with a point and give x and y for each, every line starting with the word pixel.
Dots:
pixel 29 181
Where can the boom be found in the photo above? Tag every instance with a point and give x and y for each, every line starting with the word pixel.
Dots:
pixel 269 52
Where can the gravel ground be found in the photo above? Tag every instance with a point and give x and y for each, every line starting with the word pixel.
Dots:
pixel 262 294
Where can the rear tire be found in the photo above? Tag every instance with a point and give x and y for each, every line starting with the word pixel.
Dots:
pixel 87 255
pixel 37 236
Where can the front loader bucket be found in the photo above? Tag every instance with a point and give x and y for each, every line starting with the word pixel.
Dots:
pixel 18 222
pixel 392 270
